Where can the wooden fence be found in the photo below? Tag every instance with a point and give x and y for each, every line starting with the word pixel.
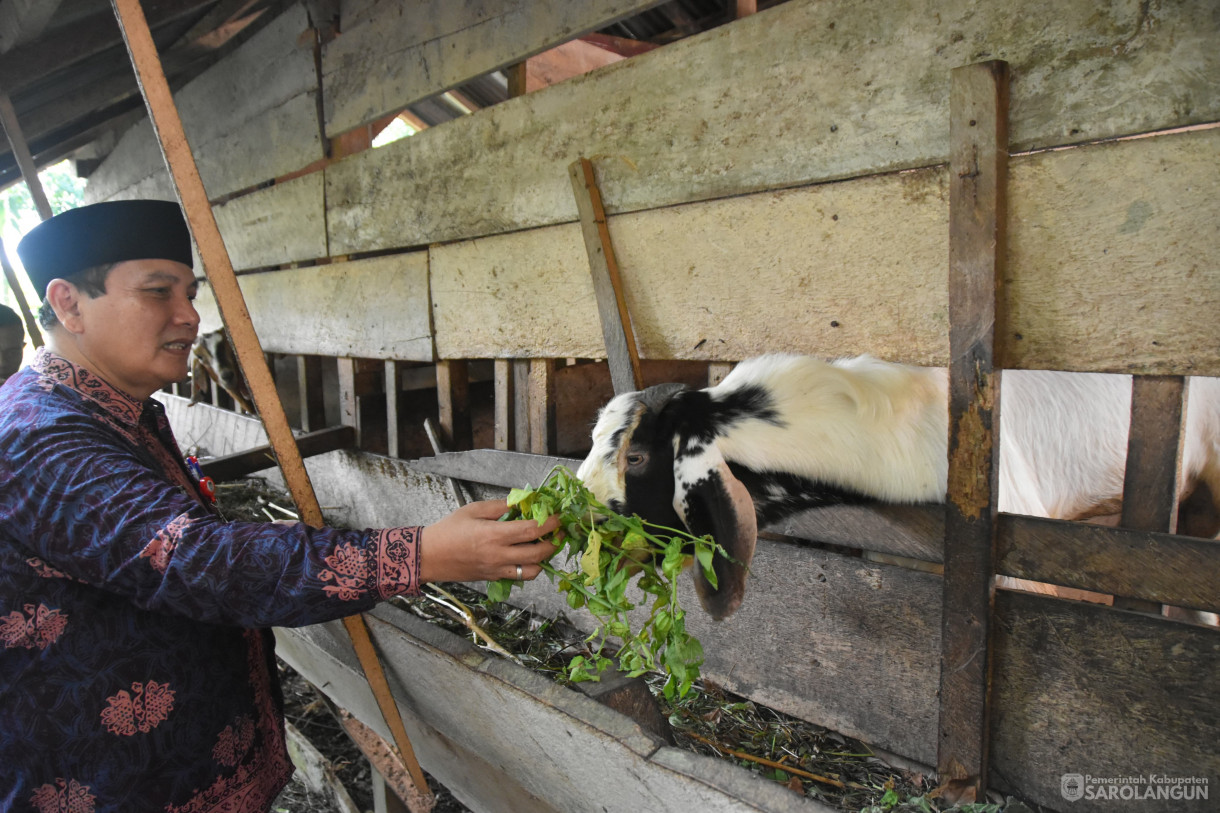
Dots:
pixel 782 183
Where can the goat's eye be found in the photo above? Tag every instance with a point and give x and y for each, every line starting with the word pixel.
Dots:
pixel 636 458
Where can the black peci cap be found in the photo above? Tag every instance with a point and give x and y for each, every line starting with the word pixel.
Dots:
pixel 102 233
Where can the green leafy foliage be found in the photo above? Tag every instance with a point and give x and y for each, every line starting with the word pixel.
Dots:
pixel 602 551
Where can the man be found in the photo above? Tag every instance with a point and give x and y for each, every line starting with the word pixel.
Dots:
pixel 12 342
pixel 136 668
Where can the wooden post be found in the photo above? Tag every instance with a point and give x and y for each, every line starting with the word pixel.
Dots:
pixel 453 400
pixel 543 438
pixel 621 351
pixel 219 269
pixel 506 402
pixel 349 402
pixel 1154 456
pixel 392 385
pixel 309 387
pixel 978 165
pixel 716 372
pixel 521 404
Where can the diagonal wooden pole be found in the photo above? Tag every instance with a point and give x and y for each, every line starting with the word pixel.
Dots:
pixel 29 172
pixel 622 355
pixel 236 317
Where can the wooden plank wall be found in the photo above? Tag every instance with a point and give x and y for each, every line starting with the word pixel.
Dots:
pixel 795 197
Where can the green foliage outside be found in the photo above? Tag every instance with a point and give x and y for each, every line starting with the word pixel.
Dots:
pixel 18 215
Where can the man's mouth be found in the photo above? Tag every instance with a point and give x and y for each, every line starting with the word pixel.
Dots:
pixel 177 347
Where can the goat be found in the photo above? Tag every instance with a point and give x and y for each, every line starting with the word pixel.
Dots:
pixel 212 357
pixel 783 433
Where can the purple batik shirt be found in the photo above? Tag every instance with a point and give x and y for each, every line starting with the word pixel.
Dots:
pixel 136 669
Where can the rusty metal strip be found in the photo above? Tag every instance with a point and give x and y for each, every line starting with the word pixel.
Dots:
pixel 978 166
pixel 219 270
pixel 621 351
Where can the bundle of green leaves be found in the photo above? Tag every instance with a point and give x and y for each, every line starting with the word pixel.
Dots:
pixel 602 551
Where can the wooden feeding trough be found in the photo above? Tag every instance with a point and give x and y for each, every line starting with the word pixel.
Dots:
pixel 977 185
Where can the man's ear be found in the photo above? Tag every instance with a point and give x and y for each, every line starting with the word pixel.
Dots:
pixel 64 298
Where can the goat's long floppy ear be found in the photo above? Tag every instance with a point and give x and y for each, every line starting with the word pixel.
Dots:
pixel 711 500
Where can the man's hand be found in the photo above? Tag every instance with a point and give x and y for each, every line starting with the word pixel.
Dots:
pixel 472 545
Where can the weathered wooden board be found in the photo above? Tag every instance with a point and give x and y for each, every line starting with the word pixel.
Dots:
pixel 507 739
pixel 261 229
pixel 415 51
pixel 1083 689
pixel 1158 567
pixel 803 92
pixel 1109 270
pixel 375 308
pixel 249 118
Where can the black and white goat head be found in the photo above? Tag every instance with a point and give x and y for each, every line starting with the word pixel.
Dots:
pixel 780 434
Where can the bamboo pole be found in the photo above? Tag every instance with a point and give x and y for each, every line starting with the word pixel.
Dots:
pixel 236 317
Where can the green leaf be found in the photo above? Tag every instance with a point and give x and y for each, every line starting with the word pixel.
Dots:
pixel 498 591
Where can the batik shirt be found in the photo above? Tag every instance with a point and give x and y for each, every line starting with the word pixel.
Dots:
pixel 136 669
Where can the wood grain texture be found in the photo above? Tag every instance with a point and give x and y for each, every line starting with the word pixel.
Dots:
pixel 1085 689
pixel 1108 263
pixel 328 310
pixel 250 118
pixel 1154 454
pixel 268 229
pixel 762 118
pixel 418 50
pixel 978 200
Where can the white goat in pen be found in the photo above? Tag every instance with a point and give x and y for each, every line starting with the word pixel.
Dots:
pixel 783 433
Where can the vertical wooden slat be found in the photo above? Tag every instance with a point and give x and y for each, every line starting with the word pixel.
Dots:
pixel 219 268
pixel 453 398
pixel 978 163
pixel 504 435
pixel 621 351
pixel 1154 453
pixel 543 438
pixel 1154 456
pixel 309 387
pixel 521 404
pixel 349 403
pixel 392 385
pixel 746 7
pixel 716 371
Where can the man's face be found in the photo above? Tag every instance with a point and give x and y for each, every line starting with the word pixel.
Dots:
pixel 12 343
pixel 138 335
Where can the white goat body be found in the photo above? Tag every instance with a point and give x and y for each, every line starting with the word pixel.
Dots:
pixel 861 428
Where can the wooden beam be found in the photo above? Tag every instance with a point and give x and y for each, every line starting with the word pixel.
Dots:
pixel 505 398
pixel 521 404
pixel 621 350
pixel 236 466
pixel 1154 453
pixel 392 389
pixel 310 394
pixel 453 401
pixel 1154 456
pixel 978 171
pixel 21 151
pixel 1155 567
pixel 542 406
